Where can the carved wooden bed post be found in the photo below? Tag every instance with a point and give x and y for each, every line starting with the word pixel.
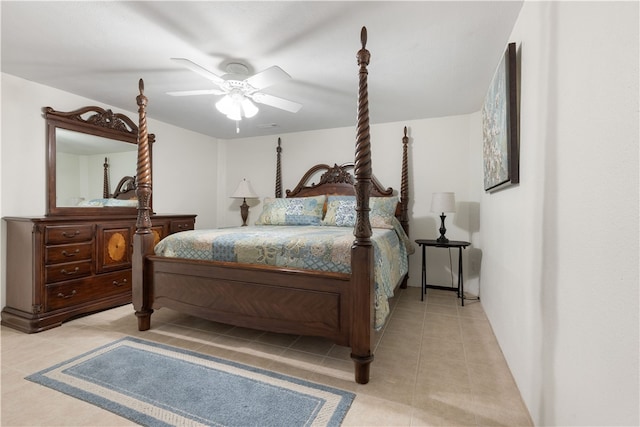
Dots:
pixel 362 250
pixel 404 194
pixel 143 238
pixel 105 179
pixel 404 185
pixel 278 172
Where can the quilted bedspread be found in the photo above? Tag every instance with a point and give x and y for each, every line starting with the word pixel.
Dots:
pixel 323 248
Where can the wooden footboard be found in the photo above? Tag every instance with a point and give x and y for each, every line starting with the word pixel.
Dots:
pixel 259 297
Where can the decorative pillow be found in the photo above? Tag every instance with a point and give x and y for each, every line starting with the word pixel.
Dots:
pixel 341 211
pixel 383 211
pixel 292 211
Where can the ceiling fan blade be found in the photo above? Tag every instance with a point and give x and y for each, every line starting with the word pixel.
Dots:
pixel 274 101
pixel 197 92
pixel 199 70
pixel 268 77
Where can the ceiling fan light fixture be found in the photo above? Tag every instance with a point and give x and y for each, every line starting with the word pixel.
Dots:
pixel 249 108
pixel 235 106
pixel 225 105
pixel 235 113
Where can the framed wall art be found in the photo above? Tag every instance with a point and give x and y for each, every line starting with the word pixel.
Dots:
pixel 501 147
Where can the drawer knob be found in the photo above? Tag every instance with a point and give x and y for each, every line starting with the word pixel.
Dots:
pixel 68 273
pixel 70 235
pixel 118 284
pixel 61 295
pixel 74 253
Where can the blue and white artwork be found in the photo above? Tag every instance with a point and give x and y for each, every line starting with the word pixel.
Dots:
pixel 495 139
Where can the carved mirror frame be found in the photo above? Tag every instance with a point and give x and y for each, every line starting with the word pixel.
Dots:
pixel 98 122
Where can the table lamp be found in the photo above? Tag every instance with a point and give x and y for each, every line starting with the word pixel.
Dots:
pixel 244 192
pixel 443 202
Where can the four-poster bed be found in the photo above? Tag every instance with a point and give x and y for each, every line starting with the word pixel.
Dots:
pixel 336 305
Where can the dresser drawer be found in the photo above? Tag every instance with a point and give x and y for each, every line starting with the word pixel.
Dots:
pixel 68 253
pixel 182 225
pixel 87 290
pixel 61 234
pixel 67 271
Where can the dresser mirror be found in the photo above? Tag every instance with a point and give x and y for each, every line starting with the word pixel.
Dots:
pixel 91 165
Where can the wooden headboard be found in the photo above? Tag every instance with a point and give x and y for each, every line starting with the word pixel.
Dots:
pixel 335 180
pixel 340 180
pixel 125 190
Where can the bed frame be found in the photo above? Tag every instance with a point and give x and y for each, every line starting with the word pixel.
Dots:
pixel 336 306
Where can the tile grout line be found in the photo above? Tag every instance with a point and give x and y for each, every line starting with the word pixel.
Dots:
pixel 466 365
pixel 417 368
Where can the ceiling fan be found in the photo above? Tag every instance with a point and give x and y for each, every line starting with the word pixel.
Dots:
pixel 239 89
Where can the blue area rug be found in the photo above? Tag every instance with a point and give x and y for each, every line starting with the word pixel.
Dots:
pixel 158 385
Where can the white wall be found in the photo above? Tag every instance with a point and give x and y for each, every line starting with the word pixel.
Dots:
pixel 23 156
pixel 185 183
pixel 560 251
pixel 438 161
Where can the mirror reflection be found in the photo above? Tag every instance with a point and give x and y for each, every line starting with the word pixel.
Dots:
pixel 89 168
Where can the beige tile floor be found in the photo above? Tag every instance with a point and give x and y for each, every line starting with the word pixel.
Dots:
pixel 436 363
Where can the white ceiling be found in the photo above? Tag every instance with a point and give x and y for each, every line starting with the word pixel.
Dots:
pixel 428 58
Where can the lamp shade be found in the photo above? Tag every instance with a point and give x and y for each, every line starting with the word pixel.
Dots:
pixel 244 191
pixel 443 202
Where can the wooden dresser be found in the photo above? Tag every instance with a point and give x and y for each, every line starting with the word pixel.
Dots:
pixel 61 267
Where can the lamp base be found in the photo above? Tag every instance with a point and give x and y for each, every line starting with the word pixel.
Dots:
pixel 442 238
pixel 244 212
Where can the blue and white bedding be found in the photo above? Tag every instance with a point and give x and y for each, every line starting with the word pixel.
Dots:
pixel 309 247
